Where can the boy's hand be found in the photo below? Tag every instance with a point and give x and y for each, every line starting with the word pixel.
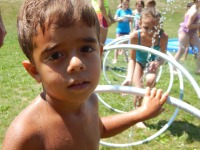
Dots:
pixel 153 102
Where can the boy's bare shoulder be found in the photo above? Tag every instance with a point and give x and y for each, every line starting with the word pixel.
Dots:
pixel 24 130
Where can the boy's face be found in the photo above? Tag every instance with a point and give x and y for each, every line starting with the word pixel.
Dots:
pixel 149 26
pixel 67 62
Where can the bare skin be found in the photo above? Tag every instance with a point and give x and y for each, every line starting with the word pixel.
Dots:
pixel 65 115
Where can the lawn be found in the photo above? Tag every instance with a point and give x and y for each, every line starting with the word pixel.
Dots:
pixel 18 88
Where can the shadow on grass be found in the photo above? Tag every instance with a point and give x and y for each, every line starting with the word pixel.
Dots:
pixel 178 128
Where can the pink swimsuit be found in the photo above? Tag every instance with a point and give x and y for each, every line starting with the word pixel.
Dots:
pixel 183 27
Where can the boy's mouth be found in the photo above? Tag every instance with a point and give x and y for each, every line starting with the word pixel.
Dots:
pixel 79 85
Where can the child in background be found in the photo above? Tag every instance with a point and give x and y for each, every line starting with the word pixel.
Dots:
pixel 123 26
pixel 104 16
pixel 150 32
pixel 187 48
pixel 187 33
pixel 61 40
pixel 139 5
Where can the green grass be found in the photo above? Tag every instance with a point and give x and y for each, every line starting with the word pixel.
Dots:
pixel 17 88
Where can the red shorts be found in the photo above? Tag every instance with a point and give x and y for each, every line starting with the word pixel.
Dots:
pixel 102 20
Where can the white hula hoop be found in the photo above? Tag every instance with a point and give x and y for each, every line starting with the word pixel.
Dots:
pixel 184 107
pixel 140 92
pixel 117 41
pixel 163 129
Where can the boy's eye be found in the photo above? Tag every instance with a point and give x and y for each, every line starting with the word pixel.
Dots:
pixel 55 56
pixel 87 49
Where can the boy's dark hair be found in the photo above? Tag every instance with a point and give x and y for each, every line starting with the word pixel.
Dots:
pixel 42 13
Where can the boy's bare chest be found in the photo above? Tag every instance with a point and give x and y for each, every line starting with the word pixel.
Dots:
pixel 72 133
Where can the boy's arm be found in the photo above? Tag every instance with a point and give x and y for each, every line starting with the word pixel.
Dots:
pixel 151 107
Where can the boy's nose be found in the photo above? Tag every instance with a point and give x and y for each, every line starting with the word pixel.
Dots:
pixel 75 65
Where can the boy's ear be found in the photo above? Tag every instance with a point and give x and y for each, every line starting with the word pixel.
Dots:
pixel 31 69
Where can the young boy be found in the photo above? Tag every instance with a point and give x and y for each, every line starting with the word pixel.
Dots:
pixel 61 40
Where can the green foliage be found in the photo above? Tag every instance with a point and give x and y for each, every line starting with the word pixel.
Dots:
pixel 17 88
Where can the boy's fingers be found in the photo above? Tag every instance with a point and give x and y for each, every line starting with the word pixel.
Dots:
pixel 153 92
pixel 159 94
pixel 163 98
